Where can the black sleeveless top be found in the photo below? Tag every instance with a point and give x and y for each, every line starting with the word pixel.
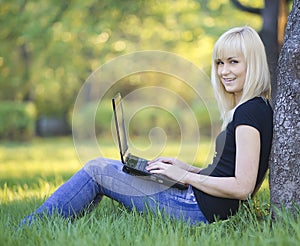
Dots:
pixel 257 113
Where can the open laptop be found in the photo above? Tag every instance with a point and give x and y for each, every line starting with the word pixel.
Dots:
pixel 133 164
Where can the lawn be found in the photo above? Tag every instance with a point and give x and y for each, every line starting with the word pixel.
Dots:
pixel 30 172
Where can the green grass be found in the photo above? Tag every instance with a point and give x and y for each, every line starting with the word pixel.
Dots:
pixel 30 172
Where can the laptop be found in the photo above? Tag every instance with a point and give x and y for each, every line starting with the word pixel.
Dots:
pixel 135 165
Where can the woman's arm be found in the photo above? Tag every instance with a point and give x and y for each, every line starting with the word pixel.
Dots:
pixel 246 169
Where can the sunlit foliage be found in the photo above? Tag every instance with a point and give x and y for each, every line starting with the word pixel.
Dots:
pixel 49 48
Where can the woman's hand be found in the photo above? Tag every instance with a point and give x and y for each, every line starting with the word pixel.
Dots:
pixel 177 163
pixel 171 167
pixel 162 166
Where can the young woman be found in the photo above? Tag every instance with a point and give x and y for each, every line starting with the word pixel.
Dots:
pixel 240 78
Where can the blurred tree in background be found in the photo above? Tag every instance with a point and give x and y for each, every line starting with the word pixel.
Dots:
pixel 49 48
pixel 274 16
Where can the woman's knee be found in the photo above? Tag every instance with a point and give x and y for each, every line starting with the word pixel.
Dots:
pixel 93 167
pixel 100 165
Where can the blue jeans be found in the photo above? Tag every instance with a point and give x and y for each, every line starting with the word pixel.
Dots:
pixel 104 177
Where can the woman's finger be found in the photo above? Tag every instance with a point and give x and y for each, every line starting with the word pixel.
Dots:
pixel 160 159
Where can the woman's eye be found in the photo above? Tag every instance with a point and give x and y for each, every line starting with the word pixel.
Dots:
pixel 234 61
pixel 219 62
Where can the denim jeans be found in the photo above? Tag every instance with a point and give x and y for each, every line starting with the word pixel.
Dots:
pixel 104 177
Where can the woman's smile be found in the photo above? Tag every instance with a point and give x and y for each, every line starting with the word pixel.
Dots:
pixel 228 80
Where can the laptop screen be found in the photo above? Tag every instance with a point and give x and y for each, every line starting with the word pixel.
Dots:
pixel 120 125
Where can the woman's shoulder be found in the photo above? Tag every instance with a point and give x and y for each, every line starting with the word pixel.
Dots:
pixel 255 105
pixel 254 110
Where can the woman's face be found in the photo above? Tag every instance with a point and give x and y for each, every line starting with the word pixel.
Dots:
pixel 232 72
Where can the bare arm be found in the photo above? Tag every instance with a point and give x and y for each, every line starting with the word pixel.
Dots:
pixel 246 169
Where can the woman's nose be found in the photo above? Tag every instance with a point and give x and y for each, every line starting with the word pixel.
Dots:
pixel 225 69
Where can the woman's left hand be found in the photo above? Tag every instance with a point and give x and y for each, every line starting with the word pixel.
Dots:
pixel 167 169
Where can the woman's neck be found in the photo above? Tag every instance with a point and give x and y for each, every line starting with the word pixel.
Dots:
pixel 237 98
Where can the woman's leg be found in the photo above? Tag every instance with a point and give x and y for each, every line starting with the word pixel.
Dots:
pixel 105 177
pixel 80 192
pixel 143 195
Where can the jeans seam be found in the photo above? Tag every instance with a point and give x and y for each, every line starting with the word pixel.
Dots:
pixel 72 198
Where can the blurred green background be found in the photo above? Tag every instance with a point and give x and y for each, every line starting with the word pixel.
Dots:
pixel 49 48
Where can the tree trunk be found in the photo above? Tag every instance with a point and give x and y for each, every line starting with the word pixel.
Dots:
pixel 285 154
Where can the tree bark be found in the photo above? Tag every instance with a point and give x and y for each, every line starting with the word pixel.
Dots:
pixel 285 154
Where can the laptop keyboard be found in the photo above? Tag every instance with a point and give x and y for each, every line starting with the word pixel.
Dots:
pixel 136 162
pixel 141 164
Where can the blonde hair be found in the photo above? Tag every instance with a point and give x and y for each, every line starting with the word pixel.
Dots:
pixel 243 41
